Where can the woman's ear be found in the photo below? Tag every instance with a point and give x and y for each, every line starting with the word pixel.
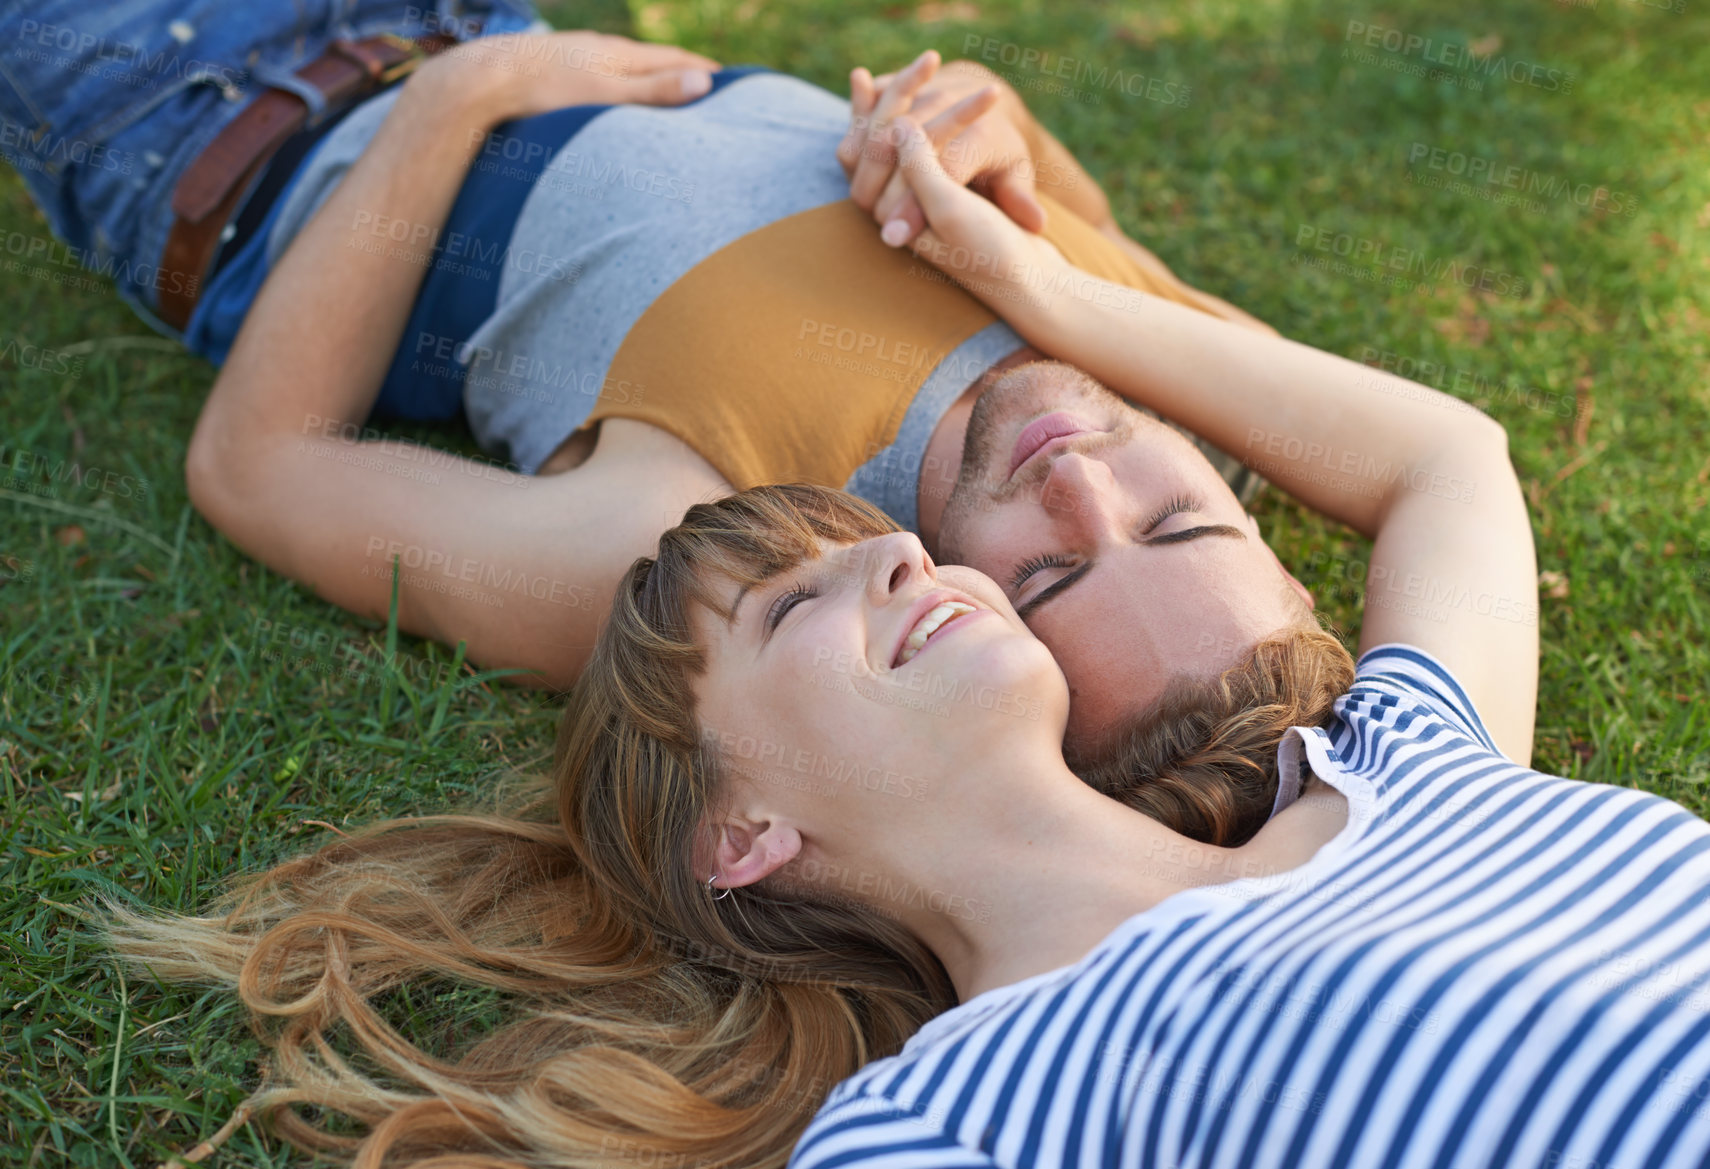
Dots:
pixel 738 851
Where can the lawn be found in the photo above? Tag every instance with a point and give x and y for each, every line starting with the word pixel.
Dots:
pixel 173 713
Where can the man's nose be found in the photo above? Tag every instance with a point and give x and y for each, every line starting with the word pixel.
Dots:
pixel 1079 495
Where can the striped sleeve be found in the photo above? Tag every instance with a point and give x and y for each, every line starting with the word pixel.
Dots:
pixel 1426 680
pixel 873 1132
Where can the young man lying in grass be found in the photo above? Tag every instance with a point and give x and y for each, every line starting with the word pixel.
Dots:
pixel 646 281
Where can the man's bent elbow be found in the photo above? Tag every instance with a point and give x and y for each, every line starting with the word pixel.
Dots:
pixel 1475 437
pixel 1491 434
pixel 1463 461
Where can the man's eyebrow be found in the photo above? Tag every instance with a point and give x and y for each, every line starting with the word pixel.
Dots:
pixel 1181 537
pixel 1187 534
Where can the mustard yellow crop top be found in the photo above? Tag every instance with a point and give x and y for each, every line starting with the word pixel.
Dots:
pixel 792 353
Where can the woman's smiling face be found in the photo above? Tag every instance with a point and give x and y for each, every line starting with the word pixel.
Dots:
pixel 867 671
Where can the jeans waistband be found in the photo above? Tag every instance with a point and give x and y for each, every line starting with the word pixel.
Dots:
pixel 275 176
pixel 103 106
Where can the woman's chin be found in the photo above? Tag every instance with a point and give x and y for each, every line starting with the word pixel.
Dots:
pixel 1000 676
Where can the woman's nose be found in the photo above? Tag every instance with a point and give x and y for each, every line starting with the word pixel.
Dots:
pixel 894 562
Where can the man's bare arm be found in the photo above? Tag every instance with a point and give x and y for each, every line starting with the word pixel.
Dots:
pixel 1427 478
pixel 1424 475
pixel 998 146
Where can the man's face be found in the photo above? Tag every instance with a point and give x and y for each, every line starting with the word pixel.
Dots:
pixel 1118 544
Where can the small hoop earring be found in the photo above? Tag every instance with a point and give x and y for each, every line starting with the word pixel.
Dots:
pixel 718 896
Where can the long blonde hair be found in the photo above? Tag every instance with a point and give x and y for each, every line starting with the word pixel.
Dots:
pixel 648 1025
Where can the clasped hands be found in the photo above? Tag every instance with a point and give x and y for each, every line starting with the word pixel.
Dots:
pixel 914 150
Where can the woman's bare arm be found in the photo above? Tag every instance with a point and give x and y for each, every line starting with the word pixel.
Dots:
pixel 519 567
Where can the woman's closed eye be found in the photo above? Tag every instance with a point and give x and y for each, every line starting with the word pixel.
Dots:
pixel 786 601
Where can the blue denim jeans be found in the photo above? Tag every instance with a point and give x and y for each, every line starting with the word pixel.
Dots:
pixel 102 106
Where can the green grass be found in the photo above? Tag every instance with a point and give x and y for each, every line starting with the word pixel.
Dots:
pixel 150 746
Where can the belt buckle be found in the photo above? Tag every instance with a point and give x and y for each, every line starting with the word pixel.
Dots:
pixel 408 64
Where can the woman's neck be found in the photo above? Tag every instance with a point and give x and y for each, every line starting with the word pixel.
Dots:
pixel 1026 890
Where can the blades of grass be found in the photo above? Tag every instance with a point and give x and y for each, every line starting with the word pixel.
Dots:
pixel 489 675
pixel 86 513
pixel 113 1080
pixel 407 688
pixel 390 679
pixel 100 736
pixel 99 882
pixel 395 746
pixel 445 689
pixel 164 783
pixel 205 786
pixel 28 635
pixel 299 751
pixel 178 580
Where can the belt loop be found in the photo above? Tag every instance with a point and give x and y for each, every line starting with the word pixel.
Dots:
pixel 464 28
pixel 277 78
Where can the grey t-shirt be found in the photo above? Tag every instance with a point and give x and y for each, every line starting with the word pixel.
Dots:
pixel 629 204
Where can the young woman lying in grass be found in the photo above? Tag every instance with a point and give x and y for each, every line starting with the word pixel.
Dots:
pixel 775 902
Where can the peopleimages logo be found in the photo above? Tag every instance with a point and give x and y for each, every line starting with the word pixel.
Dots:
pixel 774 760
pixel 1454 55
pixel 1412 374
pixel 27 356
pixel 1443 60
pixel 43 474
pixel 29 248
pixel 87 52
pixel 1076 72
pixel 1398 265
pixel 1488 177
pixel 38 148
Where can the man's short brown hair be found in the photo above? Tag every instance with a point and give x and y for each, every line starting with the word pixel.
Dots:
pixel 1203 759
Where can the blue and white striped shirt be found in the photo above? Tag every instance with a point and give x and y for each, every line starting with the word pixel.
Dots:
pixel 1488 967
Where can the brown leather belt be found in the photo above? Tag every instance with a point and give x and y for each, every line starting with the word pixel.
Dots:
pixel 213 185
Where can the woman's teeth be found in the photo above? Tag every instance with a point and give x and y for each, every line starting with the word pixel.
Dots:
pixel 928 625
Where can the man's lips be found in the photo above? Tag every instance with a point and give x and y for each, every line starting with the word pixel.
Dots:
pixel 1058 424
